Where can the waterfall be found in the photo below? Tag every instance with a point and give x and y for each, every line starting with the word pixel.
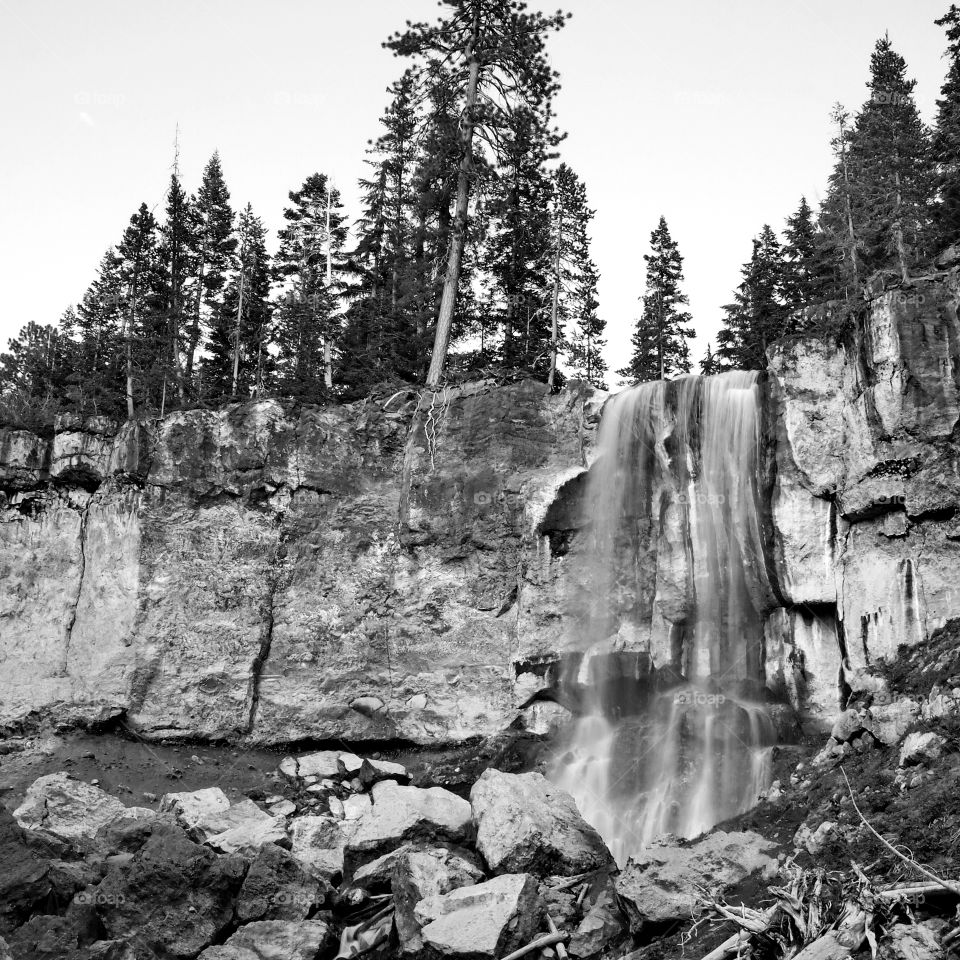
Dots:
pixel 673 496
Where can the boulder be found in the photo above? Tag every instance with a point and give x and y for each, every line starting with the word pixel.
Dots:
pixel 526 824
pixel 69 808
pixel 172 898
pixel 813 841
pixel 603 925
pixel 401 814
pixel 198 810
pixel 921 747
pixel 355 806
pixel 46 935
pixel 274 940
pixel 427 872
pixel 249 836
pixel 487 920
pixel 669 881
pixel 373 771
pixel 278 887
pixel 24 873
pixel 322 764
pixel 318 843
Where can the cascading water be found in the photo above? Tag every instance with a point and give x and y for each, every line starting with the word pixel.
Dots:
pixel 695 749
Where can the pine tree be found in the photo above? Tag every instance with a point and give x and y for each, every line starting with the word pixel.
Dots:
pixel 709 364
pixel 95 330
pixel 807 270
pixel 175 245
pixel 518 254
pixel 149 368
pixel 213 247
pixel 587 341
pixel 841 246
pixel 383 336
pixel 575 323
pixel 238 361
pixel 33 375
pixel 660 338
pixel 493 51
pixel 946 137
pixel 758 316
pixel 892 169
pixel 309 265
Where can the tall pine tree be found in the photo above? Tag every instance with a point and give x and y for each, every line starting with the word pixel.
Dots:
pixel 661 337
pixel 946 137
pixel 758 315
pixel 309 266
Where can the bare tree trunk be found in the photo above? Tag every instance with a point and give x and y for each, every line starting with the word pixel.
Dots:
pixel 327 353
pixel 236 342
pixel 555 310
pixel 441 342
pixel 898 233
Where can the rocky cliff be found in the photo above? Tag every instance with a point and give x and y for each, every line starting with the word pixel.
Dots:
pixel 281 574
pixel 258 571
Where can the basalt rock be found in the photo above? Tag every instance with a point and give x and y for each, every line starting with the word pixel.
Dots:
pixel 525 824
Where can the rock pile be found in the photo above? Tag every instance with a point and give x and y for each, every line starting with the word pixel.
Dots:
pixel 348 857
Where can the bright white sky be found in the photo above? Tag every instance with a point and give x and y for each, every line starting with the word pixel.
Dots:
pixel 712 112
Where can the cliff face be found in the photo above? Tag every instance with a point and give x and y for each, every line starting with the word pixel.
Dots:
pixel 279 574
pixel 243 572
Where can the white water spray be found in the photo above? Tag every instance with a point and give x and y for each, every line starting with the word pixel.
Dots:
pixel 696 750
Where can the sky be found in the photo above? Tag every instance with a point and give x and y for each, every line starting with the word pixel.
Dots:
pixel 714 113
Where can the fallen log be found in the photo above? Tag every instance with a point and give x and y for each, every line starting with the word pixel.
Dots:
pixel 547 940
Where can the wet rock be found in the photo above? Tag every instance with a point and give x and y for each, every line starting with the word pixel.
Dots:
pixel 921 747
pixel 274 940
pixel 526 824
pixel 422 873
pixel 487 920
pixel 71 809
pixel 278 887
pixel 666 882
pixel 319 844
pixel 401 814
pixel 172 898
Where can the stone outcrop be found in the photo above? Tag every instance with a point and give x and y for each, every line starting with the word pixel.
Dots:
pixel 279 573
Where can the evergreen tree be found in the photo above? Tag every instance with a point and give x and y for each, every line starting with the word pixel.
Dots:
pixel 758 316
pixel 95 331
pixel 518 255
pixel 492 51
pixel 175 246
pixel 149 368
pixel 709 364
pixel 807 269
pixel 587 341
pixel 309 265
pixel 660 339
pixel 383 336
pixel 841 244
pixel 213 248
pixel 574 319
pixel 946 137
pixel 33 375
pixel 238 360
pixel 892 171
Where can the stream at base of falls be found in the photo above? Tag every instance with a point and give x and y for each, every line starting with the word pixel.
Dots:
pixel 693 748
